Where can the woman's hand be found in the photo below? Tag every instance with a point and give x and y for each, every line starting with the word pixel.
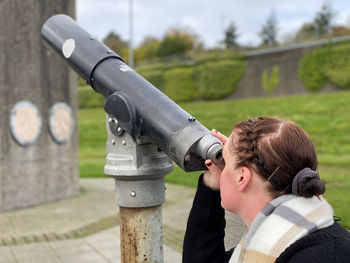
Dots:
pixel 211 177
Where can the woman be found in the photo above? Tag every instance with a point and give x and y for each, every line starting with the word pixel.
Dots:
pixel 270 181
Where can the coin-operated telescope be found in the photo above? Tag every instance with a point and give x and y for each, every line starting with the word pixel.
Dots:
pixel 142 123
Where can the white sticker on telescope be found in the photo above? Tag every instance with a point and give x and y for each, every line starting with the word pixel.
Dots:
pixel 68 47
pixel 125 68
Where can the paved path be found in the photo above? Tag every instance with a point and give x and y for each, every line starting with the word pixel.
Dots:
pixel 102 247
pixel 85 228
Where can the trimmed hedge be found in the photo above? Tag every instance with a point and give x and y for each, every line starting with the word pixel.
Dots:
pixel 154 74
pixel 326 65
pixel 221 57
pixel 218 80
pixel 337 68
pixel 179 84
pixel 81 82
pixel 150 67
pixel 155 77
pixel 310 70
pixel 210 78
pixel 89 98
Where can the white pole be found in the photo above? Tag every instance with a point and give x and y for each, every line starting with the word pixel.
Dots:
pixel 131 33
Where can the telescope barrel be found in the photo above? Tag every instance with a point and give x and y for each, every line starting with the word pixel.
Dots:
pixel 140 108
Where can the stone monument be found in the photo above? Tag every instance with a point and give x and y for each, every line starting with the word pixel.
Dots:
pixel 38 109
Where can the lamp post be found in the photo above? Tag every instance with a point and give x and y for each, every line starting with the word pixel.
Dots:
pixel 131 33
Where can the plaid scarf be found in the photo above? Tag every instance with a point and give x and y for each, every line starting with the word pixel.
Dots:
pixel 282 222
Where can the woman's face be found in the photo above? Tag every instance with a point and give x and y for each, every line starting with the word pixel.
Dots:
pixel 228 187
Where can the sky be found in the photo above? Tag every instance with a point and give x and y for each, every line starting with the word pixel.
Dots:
pixel 206 18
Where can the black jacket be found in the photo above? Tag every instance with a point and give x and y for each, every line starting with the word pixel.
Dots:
pixel 204 238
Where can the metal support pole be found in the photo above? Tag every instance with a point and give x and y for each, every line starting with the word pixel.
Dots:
pixel 139 168
pixel 141 234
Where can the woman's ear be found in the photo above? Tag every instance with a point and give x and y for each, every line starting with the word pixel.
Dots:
pixel 244 179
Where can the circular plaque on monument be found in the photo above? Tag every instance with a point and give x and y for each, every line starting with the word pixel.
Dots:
pixel 25 123
pixel 61 122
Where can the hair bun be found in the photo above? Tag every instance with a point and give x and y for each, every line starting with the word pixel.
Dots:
pixel 307 183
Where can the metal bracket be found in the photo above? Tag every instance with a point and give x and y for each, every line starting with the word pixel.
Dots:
pixel 121 108
pixel 138 167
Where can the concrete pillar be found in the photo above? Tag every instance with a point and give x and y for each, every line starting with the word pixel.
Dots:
pixel 48 169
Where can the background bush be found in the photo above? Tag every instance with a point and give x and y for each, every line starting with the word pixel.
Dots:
pixel 310 70
pixel 218 76
pixel 155 77
pixel 209 78
pixel 221 57
pixel 337 67
pixel 179 84
pixel 217 80
pixel 326 65
pixel 270 81
pixel 153 73
pixel 89 98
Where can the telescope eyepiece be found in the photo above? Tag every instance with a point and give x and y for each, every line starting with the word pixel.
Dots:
pixel 214 153
pixel 209 147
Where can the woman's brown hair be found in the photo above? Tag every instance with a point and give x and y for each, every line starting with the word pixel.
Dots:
pixel 277 150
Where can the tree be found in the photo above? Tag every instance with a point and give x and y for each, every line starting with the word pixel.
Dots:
pixel 338 31
pixel 148 49
pixel 116 43
pixel 306 32
pixel 176 42
pixel 323 20
pixel 230 36
pixel 321 25
pixel 268 32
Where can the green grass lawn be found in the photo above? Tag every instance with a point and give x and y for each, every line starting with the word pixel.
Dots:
pixel 326 117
